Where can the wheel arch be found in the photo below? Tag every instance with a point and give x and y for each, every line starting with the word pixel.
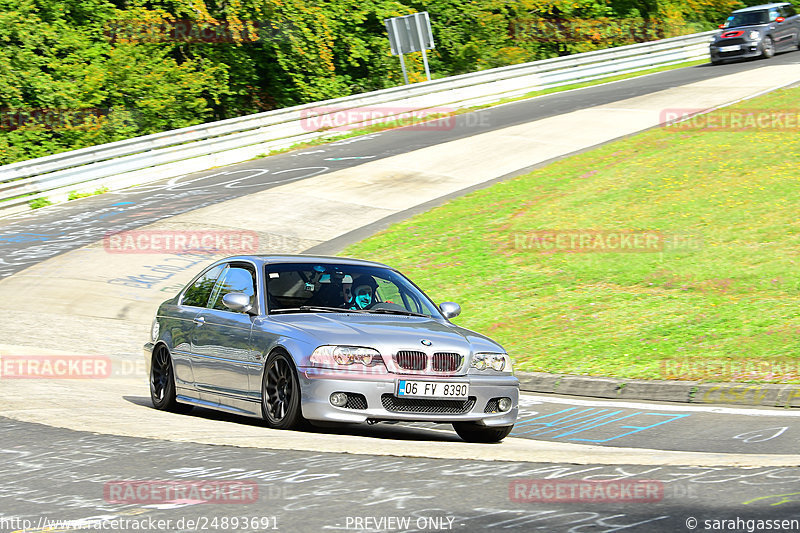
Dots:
pixel 158 344
pixel 292 347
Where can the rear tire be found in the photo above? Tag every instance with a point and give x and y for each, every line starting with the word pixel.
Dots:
pixel 472 432
pixel 162 383
pixel 280 393
pixel 767 48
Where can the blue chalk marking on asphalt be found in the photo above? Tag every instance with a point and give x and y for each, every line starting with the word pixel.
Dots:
pixel 106 215
pixel 636 429
pixel 574 420
pixel 531 421
pixel 559 423
pixel 27 237
pixel 122 203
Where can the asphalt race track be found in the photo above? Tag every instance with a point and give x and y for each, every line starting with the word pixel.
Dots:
pixel 648 466
pixel 60 475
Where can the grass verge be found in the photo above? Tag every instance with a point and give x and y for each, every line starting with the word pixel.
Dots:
pixel 717 300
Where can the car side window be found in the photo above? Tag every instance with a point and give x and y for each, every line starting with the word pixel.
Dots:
pixel 412 303
pixel 788 11
pixel 197 294
pixel 236 278
pixel 387 291
pixel 773 14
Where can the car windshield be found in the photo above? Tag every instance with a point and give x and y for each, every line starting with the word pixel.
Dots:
pixel 748 18
pixel 337 288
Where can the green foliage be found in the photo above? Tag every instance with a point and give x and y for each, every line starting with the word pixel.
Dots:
pixel 39 202
pixel 76 73
pixel 75 195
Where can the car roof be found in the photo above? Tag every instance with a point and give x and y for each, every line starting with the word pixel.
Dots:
pixel 762 7
pixel 300 258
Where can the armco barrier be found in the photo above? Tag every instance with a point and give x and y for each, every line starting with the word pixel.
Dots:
pixel 173 153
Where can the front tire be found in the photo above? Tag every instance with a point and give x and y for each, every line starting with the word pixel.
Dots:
pixel 162 383
pixel 472 432
pixel 280 393
pixel 767 48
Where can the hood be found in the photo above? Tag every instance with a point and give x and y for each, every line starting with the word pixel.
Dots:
pixel 747 28
pixel 386 333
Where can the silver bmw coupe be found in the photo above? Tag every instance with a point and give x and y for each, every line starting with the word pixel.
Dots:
pixel 296 338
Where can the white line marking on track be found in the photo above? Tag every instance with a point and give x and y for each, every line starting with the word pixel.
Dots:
pixel 539 399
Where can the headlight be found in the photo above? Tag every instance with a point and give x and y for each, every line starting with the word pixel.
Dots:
pixel 499 362
pixel 154 330
pixel 335 356
pixel 754 35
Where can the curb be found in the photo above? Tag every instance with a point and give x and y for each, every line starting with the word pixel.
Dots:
pixel 695 392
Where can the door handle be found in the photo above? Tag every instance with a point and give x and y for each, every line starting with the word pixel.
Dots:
pixel 199 320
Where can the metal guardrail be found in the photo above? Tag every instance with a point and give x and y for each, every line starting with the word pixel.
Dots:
pixel 174 153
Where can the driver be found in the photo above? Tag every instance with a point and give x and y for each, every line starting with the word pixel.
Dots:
pixel 362 294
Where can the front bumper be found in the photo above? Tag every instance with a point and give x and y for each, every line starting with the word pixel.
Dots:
pixel 748 49
pixel 148 356
pixel 382 404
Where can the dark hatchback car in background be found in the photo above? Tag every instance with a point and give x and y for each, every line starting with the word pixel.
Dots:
pixel 757 31
pixel 326 339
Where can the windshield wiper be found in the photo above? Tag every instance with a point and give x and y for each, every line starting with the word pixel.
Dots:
pixel 314 309
pixel 397 312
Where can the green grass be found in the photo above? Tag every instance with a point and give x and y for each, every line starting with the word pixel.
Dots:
pixel 38 203
pixel 75 195
pixel 725 298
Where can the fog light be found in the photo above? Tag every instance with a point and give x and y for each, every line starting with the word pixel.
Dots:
pixel 339 399
pixel 504 404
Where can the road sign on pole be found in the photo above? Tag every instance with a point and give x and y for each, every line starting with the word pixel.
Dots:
pixel 411 33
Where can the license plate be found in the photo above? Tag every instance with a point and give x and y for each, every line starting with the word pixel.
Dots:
pixel 431 389
pixel 729 48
